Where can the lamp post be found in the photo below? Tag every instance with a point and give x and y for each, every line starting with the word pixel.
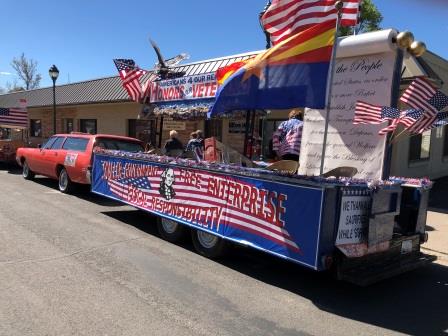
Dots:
pixel 54 73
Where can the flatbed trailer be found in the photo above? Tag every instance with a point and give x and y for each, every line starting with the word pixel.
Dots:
pixel 363 233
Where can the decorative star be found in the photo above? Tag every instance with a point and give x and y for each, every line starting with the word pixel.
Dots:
pixel 255 67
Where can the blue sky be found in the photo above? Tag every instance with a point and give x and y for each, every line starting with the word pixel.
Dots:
pixel 82 37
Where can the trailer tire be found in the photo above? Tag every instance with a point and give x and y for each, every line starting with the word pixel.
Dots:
pixel 171 230
pixel 207 244
pixel 27 173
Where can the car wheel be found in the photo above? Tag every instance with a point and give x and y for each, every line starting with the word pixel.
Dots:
pixel 207 244
pixel 65 184
pixel 171 230
pixel 26 171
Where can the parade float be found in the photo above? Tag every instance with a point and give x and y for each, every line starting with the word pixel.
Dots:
pixel 339 211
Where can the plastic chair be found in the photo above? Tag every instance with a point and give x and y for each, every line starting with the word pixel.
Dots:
pixel 285 166
pixel 341 172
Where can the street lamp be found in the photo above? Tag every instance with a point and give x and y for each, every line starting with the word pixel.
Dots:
pixel 54 73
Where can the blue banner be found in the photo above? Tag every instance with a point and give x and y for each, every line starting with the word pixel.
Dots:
pixel 279 218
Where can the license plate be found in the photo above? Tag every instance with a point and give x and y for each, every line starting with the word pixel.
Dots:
pixel 406 246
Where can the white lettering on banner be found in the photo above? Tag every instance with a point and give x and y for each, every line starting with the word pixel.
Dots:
pixel 354 220
pixel 185 88
pixel 367 78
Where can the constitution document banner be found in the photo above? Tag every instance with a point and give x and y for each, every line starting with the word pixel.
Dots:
pixel 282 219
pixel 364 71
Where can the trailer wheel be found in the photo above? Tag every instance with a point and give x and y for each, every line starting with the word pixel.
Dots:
pixel 26 171
pixel 171 230
pixel 207 244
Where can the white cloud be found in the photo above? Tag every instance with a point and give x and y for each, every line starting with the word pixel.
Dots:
pixel 4 73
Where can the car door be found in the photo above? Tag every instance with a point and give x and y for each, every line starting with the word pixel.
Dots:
pixel 37 160
pixel 54 156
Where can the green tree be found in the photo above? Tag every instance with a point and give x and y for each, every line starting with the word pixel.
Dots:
pixel 369 21
pixel 26 70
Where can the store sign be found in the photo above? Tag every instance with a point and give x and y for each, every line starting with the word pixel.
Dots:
pixel 170 124
pixel 184 88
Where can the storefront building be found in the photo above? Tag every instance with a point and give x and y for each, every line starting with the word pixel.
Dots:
pixel 103 106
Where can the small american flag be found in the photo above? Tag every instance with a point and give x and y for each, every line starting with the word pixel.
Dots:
pixel 16 117
pixel 407 118
pixel 422 95
pixel 373 114
pixel 284 18
pixel 130 75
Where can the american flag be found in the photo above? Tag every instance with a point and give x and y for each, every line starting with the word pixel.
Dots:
pixel 373 114
pixel 146 89
pixel 15 117
pixel 284 18
pixel 130 75
pixel 288 137
pixel 198 197
pixel 407 118
pixel 422 95
pixel 121 186
pixel 424 123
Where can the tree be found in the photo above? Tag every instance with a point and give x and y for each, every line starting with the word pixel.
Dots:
pixel 26 70
pixel 369 21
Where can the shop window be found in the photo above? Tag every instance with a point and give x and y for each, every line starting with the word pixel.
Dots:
pixel 87 126
pixel 68 125
pixel 419 146
pixel 144 130
pixel 35 128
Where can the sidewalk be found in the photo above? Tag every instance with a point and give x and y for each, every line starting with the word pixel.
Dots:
pixel 437 244
pixel 437 221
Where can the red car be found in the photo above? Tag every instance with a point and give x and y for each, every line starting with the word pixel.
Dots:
pixel 68 157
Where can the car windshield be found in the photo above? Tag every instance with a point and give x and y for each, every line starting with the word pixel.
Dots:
pixel 119 144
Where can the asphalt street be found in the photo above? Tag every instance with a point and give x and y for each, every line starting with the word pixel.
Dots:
pixel 85 265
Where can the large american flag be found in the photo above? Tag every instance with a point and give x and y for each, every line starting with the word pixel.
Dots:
pixel 288 137
pixel 284 18
pixel 366 113
pixel 14 116
pixel 422 95
pixel 130 75
pixel 198 197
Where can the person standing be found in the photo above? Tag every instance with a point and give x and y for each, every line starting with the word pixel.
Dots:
pixel 287 139
pixel 193 142
pixel 173 143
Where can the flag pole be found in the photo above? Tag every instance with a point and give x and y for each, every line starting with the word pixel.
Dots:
pixel 338 5
pixel 260 17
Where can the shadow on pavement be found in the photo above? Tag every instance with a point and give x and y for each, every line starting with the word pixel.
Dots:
pixel 11 168
pixel 438 196
pixel 413 303
pixel 81 191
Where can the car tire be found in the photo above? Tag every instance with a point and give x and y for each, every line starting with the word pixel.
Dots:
pixel 207 244
pixel 65 185
pixel 27 173
pixel 170 230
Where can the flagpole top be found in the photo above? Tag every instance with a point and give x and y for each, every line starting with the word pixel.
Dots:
pixel 339 4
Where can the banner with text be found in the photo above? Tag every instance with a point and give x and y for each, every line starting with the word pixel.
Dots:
pixel 267 215
pixel 359 74
pixel 184 88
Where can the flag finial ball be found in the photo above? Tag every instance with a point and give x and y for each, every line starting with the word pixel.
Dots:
pixel 405 39
pixel 339 5
pixel 417 48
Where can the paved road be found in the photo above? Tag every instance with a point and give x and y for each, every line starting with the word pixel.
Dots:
pixel 84 265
